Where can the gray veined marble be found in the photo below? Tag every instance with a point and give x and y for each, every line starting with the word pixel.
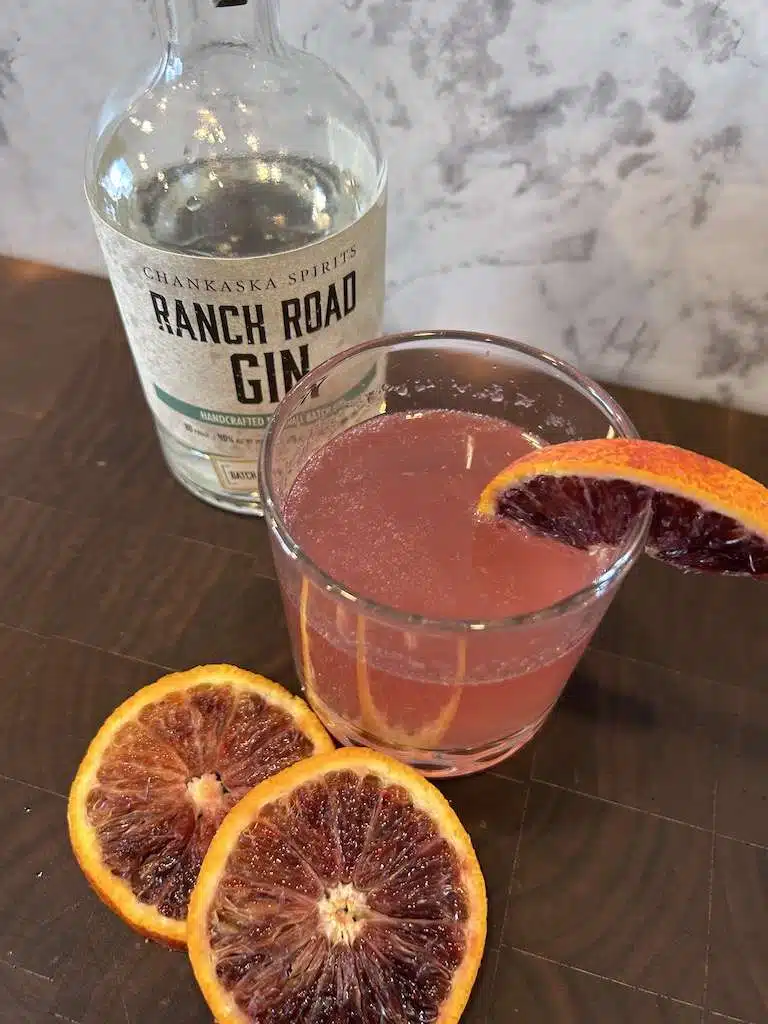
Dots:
pixel 587 175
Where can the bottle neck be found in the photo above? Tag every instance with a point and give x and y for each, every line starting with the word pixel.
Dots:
pixel 198 23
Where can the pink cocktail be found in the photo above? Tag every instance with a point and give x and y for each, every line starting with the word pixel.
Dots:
pixel 419 628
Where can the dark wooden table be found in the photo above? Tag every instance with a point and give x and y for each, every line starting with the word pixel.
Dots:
pixel 626 850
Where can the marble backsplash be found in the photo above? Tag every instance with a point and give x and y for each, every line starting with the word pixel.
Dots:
pixel 587 175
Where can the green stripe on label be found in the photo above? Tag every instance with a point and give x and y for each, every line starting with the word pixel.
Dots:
pixel 253 421
pixel 247 421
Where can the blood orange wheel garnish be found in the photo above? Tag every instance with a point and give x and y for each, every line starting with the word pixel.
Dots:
pixel 161 774
pixel 705 516
pixel 342 891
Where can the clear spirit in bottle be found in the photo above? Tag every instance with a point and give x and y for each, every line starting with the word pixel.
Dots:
pixel 239 197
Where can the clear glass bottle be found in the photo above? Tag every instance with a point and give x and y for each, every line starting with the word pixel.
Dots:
pixel 239 196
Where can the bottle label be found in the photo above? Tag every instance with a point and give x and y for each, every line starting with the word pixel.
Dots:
pixel 218 342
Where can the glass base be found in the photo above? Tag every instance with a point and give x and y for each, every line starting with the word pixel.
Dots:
pixel 439 764
pixel 195 471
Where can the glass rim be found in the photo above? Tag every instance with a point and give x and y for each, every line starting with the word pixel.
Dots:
pixel 617 418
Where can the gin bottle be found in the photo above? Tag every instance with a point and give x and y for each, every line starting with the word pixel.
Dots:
pixel 239 197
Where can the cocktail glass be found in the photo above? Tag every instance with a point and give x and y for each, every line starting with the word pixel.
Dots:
pixel 448 696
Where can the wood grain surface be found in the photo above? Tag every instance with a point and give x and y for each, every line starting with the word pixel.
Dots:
pixel 626 850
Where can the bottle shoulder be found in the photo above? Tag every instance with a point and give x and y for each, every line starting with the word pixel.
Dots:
pixel 232 102
pixel 232 137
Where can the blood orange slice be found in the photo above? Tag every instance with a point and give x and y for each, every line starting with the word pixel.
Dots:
pixel 425 735
pixel 342 891
pixel 705 516
pixel 161 774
